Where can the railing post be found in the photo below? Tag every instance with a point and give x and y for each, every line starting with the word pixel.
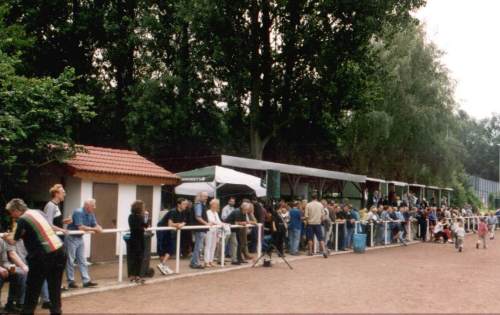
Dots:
pixel 428 234
pixel 223 248
pixel 120 256
pixel 336 236
pixel 177 250
pixel 259 239
pixel 410 237
pixel 371 234
pixel 385 232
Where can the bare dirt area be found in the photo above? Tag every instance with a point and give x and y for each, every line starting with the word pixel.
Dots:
pixel 422 278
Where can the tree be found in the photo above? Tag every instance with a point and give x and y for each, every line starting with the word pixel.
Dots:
pixel 35 115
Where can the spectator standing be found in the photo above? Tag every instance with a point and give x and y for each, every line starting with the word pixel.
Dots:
pixel 229 208
pixel 137 222
pixel 349 225
pixel 294 227
pixel 166 240
pixel 52 210
pixel 200 218
pixel 212 236
pixel 314 217
pixel 239 253
pixel 46 257
pixel 84 220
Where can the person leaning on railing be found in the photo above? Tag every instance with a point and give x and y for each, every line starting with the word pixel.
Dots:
pixel 240 216
pixel 84 220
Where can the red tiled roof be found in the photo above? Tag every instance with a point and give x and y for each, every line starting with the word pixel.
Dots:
pixel 119 162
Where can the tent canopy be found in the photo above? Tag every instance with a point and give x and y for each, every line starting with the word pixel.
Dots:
pixel 217 178
pixel 396 183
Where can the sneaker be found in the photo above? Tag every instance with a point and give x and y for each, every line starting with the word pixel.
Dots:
pixel 236 263
pixel 90 284
pixel 196 267
pixel 72 285
pixel 169 271
pixel 46 305
pixel 325 255
pixel 460 249
pixel 161 267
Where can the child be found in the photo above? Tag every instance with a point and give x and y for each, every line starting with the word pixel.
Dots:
pixel 459 235
pixel 482 231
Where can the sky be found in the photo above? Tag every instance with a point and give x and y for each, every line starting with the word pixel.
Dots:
pixel 468 32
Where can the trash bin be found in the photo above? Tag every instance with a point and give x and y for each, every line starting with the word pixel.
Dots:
pixel 146 271
pixel 359 243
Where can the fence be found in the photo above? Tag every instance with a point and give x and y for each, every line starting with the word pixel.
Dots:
pixel 120 233
pixel 411 230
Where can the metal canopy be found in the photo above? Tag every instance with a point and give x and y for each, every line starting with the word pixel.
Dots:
pixel 377 180
pixel 396 183
pixel 233 161
pixel 416 185
pixel 433 187
pixel 448 189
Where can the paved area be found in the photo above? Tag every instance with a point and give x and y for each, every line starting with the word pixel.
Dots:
pixel 424 278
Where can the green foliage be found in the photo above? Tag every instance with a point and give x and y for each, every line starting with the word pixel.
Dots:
pixel 35 114
pixel 348 85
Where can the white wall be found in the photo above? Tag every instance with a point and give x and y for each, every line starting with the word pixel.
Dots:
pixel 126 196
pixel 73 200
pixel 157 207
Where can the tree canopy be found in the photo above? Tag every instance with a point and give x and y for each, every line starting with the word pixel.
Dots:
pixel 347 85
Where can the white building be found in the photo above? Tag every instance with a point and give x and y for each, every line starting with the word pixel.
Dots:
pixel 115 178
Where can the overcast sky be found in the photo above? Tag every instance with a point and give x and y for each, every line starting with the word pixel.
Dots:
pixel 468 31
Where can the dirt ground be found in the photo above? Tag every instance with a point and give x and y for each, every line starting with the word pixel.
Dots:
pixel 423 278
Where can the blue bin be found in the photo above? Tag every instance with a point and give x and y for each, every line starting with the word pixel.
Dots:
pixel 359 243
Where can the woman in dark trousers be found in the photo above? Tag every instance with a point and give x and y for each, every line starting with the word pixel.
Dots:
pixel 137 222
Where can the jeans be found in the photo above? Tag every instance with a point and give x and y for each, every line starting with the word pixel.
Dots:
pixel 48 267
pixel 45 292
pixel 348 238
pixel 21 285
pixel 13 287
pixel 294 239
pixel 75 250
pixel 199 238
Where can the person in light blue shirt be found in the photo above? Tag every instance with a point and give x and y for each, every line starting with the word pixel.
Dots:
pixel 83 220
pixel 294 227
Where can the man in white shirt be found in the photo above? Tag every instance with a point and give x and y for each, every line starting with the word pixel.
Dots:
pixel 228 209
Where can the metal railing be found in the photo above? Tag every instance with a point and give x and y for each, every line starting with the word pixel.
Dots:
pixel 470 224
pixel 120 233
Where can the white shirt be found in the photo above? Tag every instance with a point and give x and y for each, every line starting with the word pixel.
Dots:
pixel 226 211
pixel 213 217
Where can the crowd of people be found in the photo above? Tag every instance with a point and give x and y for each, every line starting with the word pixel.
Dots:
pixel 38 246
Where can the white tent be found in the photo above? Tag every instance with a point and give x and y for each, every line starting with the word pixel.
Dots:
pixel 214 178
